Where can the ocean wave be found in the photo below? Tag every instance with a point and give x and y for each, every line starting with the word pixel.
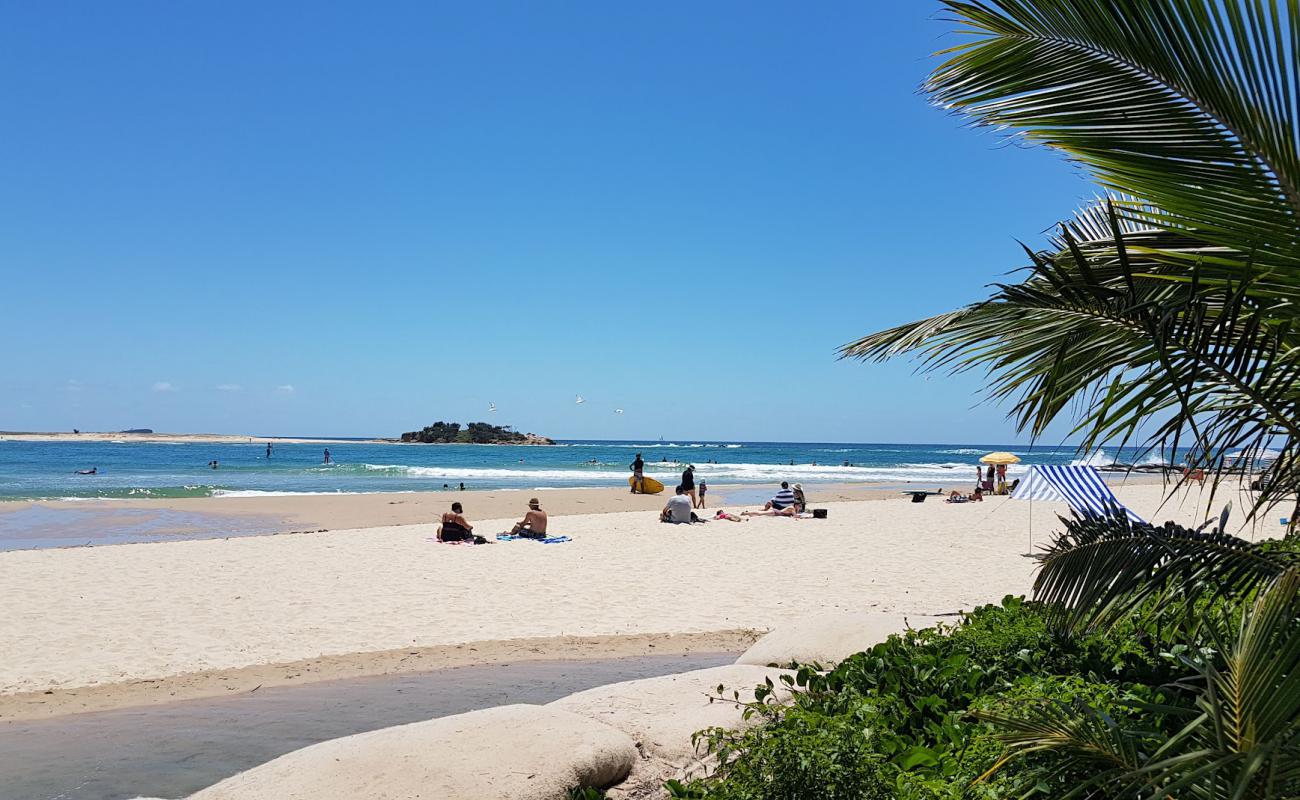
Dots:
pixel 744 473
pixel 1097 458
pixel 964 451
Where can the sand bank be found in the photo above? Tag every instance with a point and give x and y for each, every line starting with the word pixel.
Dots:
pixel 128 613
pixel 201 438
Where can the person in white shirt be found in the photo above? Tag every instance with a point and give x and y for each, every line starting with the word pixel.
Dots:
pixel 678 509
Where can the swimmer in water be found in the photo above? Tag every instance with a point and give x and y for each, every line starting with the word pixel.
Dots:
pixel 91 471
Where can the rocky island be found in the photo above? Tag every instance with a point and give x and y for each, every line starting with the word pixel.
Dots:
pixel 473 433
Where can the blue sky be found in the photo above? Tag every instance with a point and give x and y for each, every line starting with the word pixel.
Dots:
pixel 354 219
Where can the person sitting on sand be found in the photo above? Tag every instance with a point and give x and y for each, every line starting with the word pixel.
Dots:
pixel 678 510
pixel 977 496
pixel 454 527
pixel 782 500
pixel 533 525
pixel 800 502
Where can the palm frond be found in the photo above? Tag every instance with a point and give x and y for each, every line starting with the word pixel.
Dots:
pixel 1098 332
pixel 1188 104
pixel 1098 571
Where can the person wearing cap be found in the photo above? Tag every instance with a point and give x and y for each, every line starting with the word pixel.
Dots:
pixel 688 483
pixel 533 525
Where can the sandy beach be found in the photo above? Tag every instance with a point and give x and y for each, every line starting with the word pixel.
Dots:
pixel 298 513
pixel 120 617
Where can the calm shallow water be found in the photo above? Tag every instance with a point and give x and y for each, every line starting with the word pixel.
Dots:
pixel 173 750
pixel 78 525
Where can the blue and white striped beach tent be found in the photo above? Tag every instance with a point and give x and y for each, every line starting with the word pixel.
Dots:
pixel 1081 487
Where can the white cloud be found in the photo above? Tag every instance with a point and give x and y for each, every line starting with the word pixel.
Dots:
pixel 285 389
pixel 228 387
pixel 163 386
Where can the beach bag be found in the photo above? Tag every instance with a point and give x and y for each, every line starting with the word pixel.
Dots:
pixel 819 513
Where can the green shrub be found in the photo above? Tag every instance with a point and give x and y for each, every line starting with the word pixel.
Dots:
pixel 900 720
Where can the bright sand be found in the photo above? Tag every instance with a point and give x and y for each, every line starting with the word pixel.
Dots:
pixel 368 600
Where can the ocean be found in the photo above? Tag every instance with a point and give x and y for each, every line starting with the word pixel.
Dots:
pixel 47 470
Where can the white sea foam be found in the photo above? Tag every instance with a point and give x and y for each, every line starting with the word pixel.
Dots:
pixel 743 473
pixel 1097 458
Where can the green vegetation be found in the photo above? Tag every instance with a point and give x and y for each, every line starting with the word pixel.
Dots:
pixel 1168 312
pixel 473 433
pixel 1194 690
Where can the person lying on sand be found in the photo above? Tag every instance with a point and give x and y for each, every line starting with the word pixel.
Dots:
pixel 788 511
pixel 729 517
pixel 678 509
pixel 957 497
pixel 454 527
pixel 533 525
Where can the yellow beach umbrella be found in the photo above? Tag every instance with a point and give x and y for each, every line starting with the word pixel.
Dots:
pixel 1000 458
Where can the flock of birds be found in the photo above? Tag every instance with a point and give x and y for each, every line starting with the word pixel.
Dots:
pixel 578 400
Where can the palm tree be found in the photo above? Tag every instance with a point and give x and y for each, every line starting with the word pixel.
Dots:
pixel 1240 734
pixel 1166 315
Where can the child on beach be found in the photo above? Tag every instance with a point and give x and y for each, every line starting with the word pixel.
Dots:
pixel 704 488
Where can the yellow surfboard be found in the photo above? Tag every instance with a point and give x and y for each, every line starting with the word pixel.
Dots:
pixel 648 485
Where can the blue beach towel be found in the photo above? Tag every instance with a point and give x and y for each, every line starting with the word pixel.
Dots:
pixel 510 537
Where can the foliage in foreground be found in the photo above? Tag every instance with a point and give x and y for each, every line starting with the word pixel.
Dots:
pixel 1058 699
pixel 897 721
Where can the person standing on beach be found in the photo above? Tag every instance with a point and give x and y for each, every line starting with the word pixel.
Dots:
pixel 638 475
pixel 1002 478
pixel 704 489
pixel 688 483
pixel 327 456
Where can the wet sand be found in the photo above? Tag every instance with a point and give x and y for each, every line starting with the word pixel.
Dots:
pixel 172 750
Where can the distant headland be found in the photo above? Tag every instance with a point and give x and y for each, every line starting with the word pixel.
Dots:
pixel 472 433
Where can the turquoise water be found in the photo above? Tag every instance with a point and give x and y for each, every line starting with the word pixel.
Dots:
pixel 31 470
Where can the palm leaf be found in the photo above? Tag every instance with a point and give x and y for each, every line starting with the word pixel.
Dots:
pixel 1098 571
pixel 1187 104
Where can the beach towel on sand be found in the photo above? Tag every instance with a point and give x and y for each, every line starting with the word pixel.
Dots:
pixel 510 537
